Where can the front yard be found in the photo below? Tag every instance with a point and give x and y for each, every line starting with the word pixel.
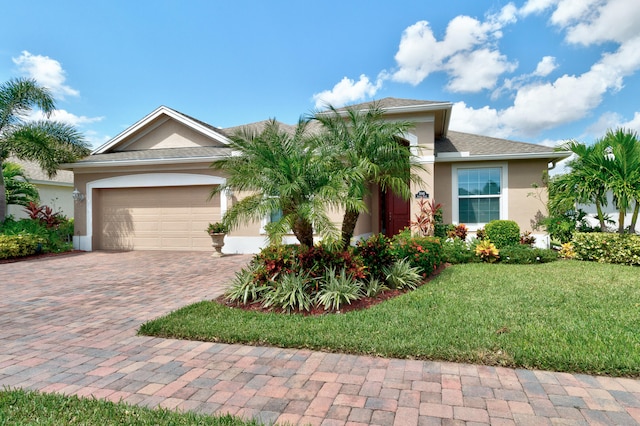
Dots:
pixel 564 316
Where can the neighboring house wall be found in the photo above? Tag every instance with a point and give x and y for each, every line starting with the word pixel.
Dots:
pixel 55 192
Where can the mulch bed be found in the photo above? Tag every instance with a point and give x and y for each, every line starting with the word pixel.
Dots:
pixel 364 303
pixel 40 256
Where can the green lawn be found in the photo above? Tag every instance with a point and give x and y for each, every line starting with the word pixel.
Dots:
pixel 564 316
pixel 19 407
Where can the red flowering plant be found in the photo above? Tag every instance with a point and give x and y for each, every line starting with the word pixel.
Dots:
pixel 376 254
pixel 425 253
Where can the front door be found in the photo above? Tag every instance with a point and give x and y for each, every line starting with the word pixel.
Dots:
pixel 396 213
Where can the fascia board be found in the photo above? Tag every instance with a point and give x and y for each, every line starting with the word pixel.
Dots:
pixel 498 157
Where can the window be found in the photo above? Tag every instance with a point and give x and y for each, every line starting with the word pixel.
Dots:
pixel 479 194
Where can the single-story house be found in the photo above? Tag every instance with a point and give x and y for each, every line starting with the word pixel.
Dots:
pixel 55 192
pixel 148 188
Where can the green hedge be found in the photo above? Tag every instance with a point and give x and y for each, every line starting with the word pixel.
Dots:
pixel 18 245
pixel 503 233
pixel 425 253
pixel 607 248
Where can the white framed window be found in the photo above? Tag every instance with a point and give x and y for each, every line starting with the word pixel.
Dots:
pixel 479 193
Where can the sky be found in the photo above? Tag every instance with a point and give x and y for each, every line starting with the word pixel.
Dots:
pixel 539 71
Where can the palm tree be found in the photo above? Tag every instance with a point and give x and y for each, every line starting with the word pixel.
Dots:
pixel 623 165
pixel 280 172
pixel 48 143
pixel 365 149
pixel 587 181
pixel 19 191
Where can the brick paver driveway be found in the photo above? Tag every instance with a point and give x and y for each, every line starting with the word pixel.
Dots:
pixel 68 324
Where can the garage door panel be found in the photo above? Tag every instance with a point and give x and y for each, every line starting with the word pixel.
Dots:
pixel 164 218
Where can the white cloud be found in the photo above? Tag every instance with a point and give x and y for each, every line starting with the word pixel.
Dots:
pixel 596 21
pixel 46 71
pixel 64 117
pixel 543 105
pixel 483 121
pixel 477 70
pixel 466 52
pixel 536 6
pixel 346 91
pixel 545 66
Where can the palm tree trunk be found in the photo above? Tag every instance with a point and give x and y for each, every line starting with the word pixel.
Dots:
pixel 303 230
pixel 3 196
pixel 634 218
pixel 348 226
pixel 600 216
pixel 621 216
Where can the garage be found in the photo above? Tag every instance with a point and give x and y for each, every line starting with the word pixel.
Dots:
pixel 154 218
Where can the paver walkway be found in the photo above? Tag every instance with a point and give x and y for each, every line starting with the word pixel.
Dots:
pixel 68 324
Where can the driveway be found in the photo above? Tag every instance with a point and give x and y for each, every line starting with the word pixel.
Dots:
pixel 68 324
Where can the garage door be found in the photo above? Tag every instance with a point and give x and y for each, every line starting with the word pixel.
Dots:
pixel 165 218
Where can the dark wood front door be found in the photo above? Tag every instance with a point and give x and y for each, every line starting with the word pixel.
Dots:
pixel 396 213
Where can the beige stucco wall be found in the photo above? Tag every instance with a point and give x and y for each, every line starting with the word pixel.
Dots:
pixel 523 206
pixel 167 134
pixel 58 197
pixel 522 174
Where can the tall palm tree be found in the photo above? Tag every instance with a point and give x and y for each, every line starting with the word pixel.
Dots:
pixel 19 191
pixel 587 181
pixel 365 149
pixel 623 166
pixel 279 171
pixel 48 143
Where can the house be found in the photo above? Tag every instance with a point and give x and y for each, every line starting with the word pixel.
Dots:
pixel 55 192
pixel 148 188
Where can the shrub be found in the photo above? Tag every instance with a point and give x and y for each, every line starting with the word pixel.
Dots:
pixel 607 248
pixel 523 254
pixel 481 234
pixel 317 259
pixel 19 245
pixel 459 231
pixel 402 275
pixel 424 253
pixel 457 251
pixel 337 290
pixel 375 253
pixel 503 233
pixel 374 287
pixel 487 251
pixel 244 288
pixel 52 239
pixel 527 239
pixel 567 251
pixel 291 293
pixel 274 260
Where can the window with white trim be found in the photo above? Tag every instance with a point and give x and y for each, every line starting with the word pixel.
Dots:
pixel 479 194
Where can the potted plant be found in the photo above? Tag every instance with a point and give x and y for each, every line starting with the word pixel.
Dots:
pixel 217 231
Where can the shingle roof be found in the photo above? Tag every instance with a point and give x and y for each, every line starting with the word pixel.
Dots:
pixel 395 103
pixel 158 154
pixel 485 145
pixel 35 173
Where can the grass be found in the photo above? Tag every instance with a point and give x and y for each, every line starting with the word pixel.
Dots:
pixel 20 407
pixel 565 316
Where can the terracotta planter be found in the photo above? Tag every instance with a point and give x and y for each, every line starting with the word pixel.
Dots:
pixel 217 242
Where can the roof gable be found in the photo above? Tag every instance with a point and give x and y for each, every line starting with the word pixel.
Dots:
pixel 165 128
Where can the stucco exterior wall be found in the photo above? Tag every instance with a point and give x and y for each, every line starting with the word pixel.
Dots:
pixel 58 197
pixel 168 134
pixel 522 206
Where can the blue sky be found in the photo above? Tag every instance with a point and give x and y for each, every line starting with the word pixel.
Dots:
pixel 539 71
